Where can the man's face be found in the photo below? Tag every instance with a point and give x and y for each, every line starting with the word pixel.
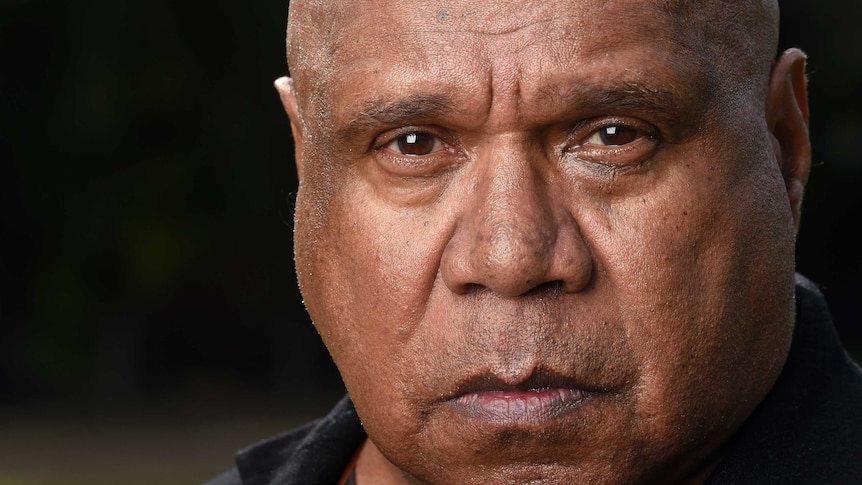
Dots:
pixel 542 240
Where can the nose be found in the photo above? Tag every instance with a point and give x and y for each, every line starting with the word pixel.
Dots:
pixel 517 232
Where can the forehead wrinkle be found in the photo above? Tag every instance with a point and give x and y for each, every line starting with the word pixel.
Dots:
pixel 509 29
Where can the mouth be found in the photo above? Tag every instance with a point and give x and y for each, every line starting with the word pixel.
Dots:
pixel 542 397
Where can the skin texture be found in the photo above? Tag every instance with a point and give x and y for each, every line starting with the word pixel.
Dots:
pixel 648 281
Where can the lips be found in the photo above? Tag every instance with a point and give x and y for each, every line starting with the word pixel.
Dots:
pixel 542 397
pixel 531 405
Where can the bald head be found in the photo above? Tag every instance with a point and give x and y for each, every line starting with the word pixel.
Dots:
pixel 743 35
pixel 313 28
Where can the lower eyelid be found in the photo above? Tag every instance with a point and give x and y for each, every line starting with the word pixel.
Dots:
pixel 436 163
pixel 615 155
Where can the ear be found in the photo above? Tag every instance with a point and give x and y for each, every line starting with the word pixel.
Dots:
pixel 284 86
pixel 787 119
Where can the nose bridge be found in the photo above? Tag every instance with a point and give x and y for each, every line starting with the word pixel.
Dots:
pixel 515 233
pixel 515 225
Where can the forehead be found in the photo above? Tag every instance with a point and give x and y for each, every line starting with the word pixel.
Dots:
pixel 417 28
pixel 387 48
pixel 422 20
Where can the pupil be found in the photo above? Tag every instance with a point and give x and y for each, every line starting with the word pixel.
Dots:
pixel 618 135
pixel 416 144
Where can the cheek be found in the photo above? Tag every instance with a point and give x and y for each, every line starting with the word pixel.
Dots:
pixel 694 265
pixel 366 272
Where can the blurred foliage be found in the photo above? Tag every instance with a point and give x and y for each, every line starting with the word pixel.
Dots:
pixel 145 178
pixel 144 237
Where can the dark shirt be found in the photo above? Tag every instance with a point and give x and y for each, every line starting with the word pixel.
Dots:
pixel 808 429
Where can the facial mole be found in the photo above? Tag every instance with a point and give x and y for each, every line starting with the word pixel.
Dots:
pixel 443 15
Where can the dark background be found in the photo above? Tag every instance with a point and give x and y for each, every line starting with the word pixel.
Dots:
pixel 146 175
pixel 146 186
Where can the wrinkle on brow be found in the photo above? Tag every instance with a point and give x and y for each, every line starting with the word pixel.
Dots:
pixel 511 29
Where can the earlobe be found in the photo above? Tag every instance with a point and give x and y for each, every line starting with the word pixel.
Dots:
pixel 787 119
pixel 284 86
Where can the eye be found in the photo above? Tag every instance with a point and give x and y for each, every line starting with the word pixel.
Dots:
pixel 615 135
pixel 415 144
pixel 417 151
pixel 614 142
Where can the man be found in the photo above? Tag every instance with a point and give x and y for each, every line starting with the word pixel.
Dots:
pixel 553 242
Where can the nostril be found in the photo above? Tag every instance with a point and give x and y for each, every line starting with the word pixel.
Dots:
pixel 548 288
pixel 473 288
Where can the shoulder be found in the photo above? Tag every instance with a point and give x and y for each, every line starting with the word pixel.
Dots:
pixel 267 454
pixel 313 453
pixel 807 429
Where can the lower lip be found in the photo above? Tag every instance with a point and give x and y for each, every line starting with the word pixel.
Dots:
pixel 531 405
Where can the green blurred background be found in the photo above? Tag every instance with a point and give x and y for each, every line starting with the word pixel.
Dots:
pixel 149 318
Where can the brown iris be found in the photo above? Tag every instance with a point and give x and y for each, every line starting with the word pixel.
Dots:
pixel 416 144
pixel 617 135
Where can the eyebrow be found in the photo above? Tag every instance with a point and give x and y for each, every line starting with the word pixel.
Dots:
pixel 403 111
pixel 629 95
